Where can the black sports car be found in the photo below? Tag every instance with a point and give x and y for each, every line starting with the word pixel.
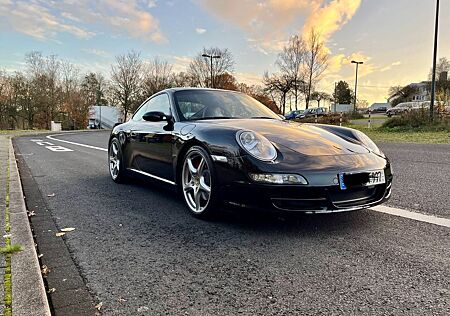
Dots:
pixel 223 146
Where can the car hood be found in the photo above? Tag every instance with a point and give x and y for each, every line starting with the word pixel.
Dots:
pixel 305 139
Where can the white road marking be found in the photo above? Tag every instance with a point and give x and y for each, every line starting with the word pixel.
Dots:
pixel 413 215
pixel 382 209
pixel 41 143
pixel 73 143
pixel 58 148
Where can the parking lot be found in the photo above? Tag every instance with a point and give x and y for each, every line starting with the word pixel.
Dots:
pixel 139 252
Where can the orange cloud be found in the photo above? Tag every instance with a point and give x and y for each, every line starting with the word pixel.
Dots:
pixel 267 22
pixel 328 19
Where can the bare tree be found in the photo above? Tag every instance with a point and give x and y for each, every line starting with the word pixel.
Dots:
pixel 280 85
pixel 45 75
pixel 316 62
pixel 290 62
pixel 200 67
pixel 183 79
pixel 158 75
pixel 126 78
pixel 319 96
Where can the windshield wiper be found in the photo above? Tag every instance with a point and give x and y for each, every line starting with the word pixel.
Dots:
pixel 263 117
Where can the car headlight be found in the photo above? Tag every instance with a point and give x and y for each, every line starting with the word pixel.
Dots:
pixel 276 178
pixel 256 145
pixel 363 138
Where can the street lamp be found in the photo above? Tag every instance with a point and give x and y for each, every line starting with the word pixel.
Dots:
pixel 433 79
pixel 211 59
pixel 356 80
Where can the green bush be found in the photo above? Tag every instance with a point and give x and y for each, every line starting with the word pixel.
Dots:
pixel 354 115
pixel 417 119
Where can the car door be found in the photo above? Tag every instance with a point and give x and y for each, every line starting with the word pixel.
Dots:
pixel 151 142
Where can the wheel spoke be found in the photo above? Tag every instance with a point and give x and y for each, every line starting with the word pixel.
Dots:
pixel 197 196
pixel 204 186
pixel 114 149
pixel 188 187
pixel 191 167
pixel 201 165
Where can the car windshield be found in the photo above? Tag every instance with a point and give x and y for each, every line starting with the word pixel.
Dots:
pixel 215 104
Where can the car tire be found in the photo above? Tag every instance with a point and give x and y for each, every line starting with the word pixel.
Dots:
pixel 115 162
pixel 198 183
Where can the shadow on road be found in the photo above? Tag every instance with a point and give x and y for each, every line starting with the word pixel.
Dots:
pixel 249 220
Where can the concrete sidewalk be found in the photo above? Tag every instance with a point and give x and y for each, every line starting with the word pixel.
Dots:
pixel 21 286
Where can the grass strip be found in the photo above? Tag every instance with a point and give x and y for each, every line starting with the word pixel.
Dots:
pixel 8 250
pixel 404 135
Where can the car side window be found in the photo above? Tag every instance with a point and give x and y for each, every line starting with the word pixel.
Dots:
pixel 140 113
pixel 159 103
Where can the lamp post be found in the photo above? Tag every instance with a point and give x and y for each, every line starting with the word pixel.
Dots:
pixel 211 59
pixel 433 79
pixel 356 80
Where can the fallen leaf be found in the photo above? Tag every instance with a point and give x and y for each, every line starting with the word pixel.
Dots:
pixel 45 270
pixel 40 256
pixel 52 290
pixel 121 300
pixel 59 234
pixel 32 213
pixel 99 306
pixel 51 195
pixel 67 229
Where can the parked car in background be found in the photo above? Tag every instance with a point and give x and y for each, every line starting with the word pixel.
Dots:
pixel 400 108
pixel 381 109
pixel 311 112
pixel 408 106
pixel 293 114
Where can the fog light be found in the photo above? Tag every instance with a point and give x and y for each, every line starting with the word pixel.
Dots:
pixel 273 178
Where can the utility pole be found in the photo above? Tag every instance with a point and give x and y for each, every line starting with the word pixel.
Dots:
pixel 433 79
pixel 100 110
pixel 211 60
pixel 356 80
pixel 335 96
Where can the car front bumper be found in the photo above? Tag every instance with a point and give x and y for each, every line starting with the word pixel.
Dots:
pixel 303 198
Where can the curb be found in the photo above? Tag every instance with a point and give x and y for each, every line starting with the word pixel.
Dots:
pixel 28 291
pixel 69 294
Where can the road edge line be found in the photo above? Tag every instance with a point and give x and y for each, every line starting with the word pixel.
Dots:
pixel 28 291
pixel 430 219
pixel 52 137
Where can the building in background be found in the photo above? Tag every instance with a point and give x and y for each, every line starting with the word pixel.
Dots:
pixel 338 108
pixel 104 117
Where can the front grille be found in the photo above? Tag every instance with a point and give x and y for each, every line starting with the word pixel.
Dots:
pixel 300 204
pixel 356 196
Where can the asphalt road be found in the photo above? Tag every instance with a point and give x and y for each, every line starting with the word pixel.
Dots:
pixel 141 253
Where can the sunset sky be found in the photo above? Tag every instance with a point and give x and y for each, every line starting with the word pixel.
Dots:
pixel 393 38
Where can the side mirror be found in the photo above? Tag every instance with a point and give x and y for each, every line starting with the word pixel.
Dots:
pixel 156 116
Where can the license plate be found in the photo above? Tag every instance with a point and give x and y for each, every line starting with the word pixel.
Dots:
pixel 361 179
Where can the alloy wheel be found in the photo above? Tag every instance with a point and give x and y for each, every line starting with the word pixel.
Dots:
pixel 114 160
pixel 196 181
